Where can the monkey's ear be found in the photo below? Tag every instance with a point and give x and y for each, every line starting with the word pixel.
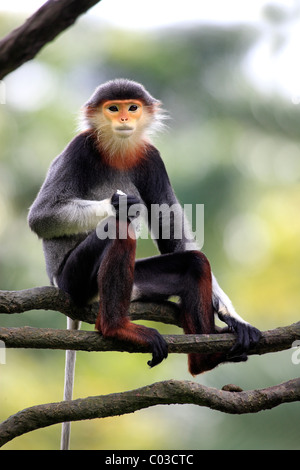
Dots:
pixel 85 117
pixel 155 107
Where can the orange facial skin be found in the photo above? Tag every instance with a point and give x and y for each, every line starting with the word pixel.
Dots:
pixel 120 128
pixel 123 115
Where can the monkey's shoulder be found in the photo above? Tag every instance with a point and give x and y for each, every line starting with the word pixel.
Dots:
pixel 152 163
pixel 151 176
pixel 80 150
pixel 80 159
pixel 77 169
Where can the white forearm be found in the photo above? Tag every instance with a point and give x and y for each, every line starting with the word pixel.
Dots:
pixel 73 217
pixel 83 216
pixel 221 302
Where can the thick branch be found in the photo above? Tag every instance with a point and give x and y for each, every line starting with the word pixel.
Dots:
pixel 23 43
pixel 168 392
pixel 51 298
pixel 41 338
pixel 54 299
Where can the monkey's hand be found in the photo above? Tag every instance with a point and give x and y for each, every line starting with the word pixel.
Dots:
pixel 122 204
pixel 159 347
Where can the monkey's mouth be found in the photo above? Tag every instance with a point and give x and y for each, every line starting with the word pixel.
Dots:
pixel 124 130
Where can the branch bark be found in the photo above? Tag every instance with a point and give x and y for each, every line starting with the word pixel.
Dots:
pixel 52 298
pixel 161 393
pixel 46 298
pixel 229 400
pixel 24 42
pixel 16 48
pixel 45 338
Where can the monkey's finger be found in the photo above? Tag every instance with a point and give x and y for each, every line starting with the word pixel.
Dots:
pixel 131 200
pixel 242 342
pixel 159 352
pixel 254 334
pixel 247 336
pixel 239 358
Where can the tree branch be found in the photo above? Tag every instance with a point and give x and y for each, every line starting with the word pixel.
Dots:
pixel 52 298
pixel 229 400
pixel 167 392
pixel 23 43
pixel 16 48
pixel 45 338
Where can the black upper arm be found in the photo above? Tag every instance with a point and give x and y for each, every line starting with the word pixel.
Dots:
pixel 155 188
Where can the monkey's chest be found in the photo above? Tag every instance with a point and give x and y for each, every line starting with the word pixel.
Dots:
pixel 105 188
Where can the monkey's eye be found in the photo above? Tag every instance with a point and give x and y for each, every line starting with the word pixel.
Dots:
pixel 133 107
pixel 113 108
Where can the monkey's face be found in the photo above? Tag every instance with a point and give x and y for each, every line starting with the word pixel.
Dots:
pixel 123 115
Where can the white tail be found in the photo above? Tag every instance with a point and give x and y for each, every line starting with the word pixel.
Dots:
pixel 69 384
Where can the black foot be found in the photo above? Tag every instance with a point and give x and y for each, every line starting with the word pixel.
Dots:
pixel 247 336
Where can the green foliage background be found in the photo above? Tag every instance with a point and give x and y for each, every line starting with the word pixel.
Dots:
pixel 228 146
